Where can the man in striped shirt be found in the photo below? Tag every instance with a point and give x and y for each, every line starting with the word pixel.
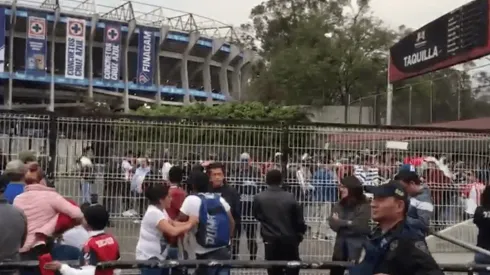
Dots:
pixel 421 206
pixel 368 173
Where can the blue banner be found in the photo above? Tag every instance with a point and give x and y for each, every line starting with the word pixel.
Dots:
pixel 2 40
pixel 146 57
pixel 112 52
pixel 36 46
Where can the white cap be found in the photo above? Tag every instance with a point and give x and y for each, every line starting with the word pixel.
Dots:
pixel 245 156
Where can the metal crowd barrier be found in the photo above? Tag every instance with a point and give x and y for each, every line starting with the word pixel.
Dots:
pixel 469 269
pixel 60 140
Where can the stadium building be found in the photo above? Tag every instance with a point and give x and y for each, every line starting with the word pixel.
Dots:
pixel 58 54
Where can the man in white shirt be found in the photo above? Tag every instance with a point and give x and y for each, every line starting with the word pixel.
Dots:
pixel 127 169
pixel 191 208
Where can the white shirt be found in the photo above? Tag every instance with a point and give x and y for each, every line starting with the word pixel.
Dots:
pixel 190 207
pixel 165 169
pixel 77 237
pixel 127 167
pixel 367 174
pixel 151 243
pixel 138 178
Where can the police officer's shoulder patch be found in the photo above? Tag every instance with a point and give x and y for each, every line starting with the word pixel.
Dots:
pixel 420 245
pixel 393 245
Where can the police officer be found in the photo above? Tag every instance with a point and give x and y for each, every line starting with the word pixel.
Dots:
pixel 395 248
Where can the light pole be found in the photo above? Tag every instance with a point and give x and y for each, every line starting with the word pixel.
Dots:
pixel 360 99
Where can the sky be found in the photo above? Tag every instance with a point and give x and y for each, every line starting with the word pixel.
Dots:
pixel 413 13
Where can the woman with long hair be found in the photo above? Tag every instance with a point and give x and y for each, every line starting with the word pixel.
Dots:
pixel 481 219
pixel 350 219
pixel 156 228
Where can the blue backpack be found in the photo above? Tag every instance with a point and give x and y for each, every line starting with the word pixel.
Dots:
pixel 213 230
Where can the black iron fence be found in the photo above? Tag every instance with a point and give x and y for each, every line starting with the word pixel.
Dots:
pixel 308 147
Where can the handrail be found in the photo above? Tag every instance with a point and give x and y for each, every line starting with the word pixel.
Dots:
pixel 232 264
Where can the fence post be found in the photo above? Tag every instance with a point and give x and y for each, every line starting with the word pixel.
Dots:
pixel 284 148
pixel 52 141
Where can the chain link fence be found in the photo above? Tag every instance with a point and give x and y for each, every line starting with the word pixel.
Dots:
pixel 453 161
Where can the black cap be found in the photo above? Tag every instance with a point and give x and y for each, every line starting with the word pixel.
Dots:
pixel 351 182
pixel 408 176
pixel 408 173
pixel 391 189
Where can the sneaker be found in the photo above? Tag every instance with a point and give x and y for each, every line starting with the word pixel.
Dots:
pixel 130 213
pixel 137 221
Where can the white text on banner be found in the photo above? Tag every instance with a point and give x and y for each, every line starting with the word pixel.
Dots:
pixel 75 49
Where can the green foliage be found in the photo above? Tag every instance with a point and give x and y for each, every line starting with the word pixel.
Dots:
pixel 196 128
pixel 314 53
pixel 232 111
pixel 334 52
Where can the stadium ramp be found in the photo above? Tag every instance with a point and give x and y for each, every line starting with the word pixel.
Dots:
pixel 448 253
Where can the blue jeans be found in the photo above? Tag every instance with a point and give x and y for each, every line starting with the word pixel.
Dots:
pixel 482 259
pixel 86 189
pixel 63 252
pixel 220 254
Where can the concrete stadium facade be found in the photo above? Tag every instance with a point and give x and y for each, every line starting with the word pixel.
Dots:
pixel 197 59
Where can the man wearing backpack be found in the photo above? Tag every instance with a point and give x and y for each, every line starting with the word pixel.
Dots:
pixel 215 223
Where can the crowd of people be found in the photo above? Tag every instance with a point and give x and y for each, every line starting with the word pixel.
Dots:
pixel 455 183
pixel 199 210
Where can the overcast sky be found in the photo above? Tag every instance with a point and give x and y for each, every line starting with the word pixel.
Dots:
pixel 413 13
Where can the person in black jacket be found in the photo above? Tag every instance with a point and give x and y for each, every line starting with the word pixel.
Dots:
pixel 247 180
pixel 216 175
pixel 481 219
pixel 282 224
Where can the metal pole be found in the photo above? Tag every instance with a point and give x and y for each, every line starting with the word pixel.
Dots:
pixel 163 36
pixel 13 20
pixel 410 106
pixel 360 111
pixel 459 100
pixel 389 95
pixel 470 247
pixel 52 60
pixel 431 100
pixel 95 19
pixel 131 29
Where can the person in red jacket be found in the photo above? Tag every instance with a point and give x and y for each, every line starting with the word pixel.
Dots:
pixel 177 193
pixel 100 247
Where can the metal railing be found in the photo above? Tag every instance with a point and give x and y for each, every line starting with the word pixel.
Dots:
pixel 291 147
pixel 250 267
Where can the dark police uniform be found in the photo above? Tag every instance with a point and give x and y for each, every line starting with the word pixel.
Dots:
pixel 400 251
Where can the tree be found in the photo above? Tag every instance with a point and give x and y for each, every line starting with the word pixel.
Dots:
pixel 334 52
pixel 315 54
